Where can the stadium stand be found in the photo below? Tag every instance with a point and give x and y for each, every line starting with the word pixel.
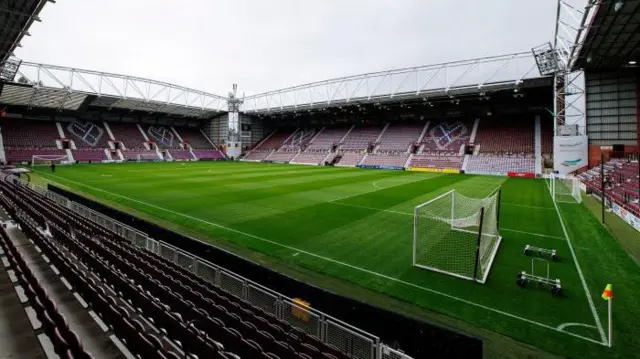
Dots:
pixel 26 154
pixel 436 161
pixel 270 144
pixel 132 155
pixel 360 138
pixel 501 164
pixel 300 139
pixel 87 135
pixel 274 141
pixel 446 137
pixel 258 155
pixel 350 158
pixel 128 134
pixel 194 138
pixel 163 137
pixel 89 155
pixel 506 145
pixel 622 183
pixel 24 139
pixel 90 139
pixel 506 136
pixel 200 146
pixel 155 307
pixel 181 155
pixel 441 146
pixel 386 159
pixel 281 155
pixel 328 138
pixel 311 157
pixel 208 154
pixel 398 138
pixel 546 137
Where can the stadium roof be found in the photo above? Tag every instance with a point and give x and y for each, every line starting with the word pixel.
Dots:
pixel 16 17
pixel 64 88
pixel 446 80
pixel 613 36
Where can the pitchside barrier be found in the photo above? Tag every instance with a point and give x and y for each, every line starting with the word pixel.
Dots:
pixel 281 295
pixel 521 174
pixel 433 170
pixel 382 167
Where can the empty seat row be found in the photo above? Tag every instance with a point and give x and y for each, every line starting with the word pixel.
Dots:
pixel 360 138
pixel 311 157
pixel 238 326
pixel 65 342
pixel 350 158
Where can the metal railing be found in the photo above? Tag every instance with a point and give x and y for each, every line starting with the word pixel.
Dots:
pixel 354 342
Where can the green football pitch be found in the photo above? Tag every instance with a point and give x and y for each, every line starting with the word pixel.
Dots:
pixel 356 226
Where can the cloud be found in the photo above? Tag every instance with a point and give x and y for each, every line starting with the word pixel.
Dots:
pixel 265 45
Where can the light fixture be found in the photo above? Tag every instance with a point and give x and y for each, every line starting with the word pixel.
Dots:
pixel 632 62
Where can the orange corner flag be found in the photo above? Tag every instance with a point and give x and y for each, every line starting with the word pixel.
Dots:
pixel 607 294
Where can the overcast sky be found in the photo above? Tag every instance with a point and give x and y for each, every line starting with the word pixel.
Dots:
pixel 266 45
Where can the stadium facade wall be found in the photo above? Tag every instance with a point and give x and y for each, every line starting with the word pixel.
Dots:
pixel 612 103
pixel 417 338
pixel 217 129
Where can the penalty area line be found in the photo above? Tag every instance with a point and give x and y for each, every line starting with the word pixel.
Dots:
pixel 377 188
pixel 300 251
pixel 411 215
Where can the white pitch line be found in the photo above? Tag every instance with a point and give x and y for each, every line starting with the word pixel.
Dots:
pixel 565 325
pixel 531 233
pixel 603 337
pixel 511 204
pixel 411 215
pixel 373 208
pixel 375 190
pixel 452 297
pixel 375 184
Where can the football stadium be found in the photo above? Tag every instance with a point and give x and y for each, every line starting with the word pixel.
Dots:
pixel 480 208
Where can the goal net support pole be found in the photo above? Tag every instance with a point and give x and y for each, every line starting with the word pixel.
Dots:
pixel 457 235
pixel 475 271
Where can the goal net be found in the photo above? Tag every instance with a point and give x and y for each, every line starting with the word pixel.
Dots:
pixel 565 189
pixel 147 157
pixel 45 160
pixel 457 235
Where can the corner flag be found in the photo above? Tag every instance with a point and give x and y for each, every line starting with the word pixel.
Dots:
pixel 607 294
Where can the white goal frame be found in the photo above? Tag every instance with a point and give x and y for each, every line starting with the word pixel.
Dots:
pixel 62 159
pixel 569 188
pixel 147 158
pixel 477 277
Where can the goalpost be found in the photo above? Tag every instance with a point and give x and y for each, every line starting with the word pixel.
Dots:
pixel 565 189
pixel 45 160
pixel 147 157
pixel 457 235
